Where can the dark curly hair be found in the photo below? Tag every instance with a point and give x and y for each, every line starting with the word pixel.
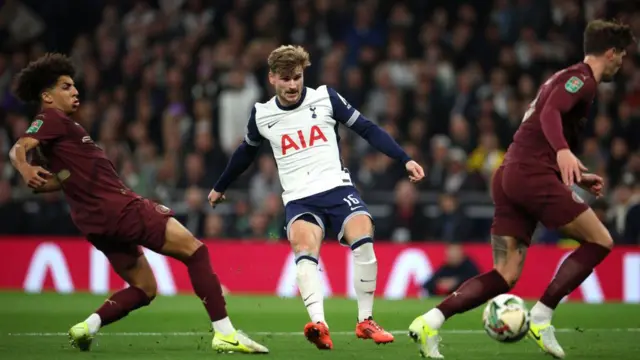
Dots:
pixel 602 35
pixel 42 74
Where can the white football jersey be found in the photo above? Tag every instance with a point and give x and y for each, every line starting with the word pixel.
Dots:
pixel 304 139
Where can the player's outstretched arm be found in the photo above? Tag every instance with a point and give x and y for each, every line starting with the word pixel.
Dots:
pixel 240 161
pixel 34 176
pixel 376 136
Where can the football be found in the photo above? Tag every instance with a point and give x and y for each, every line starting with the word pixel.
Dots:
pixel 506 318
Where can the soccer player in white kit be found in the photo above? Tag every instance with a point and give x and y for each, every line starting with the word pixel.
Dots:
pixel 301 126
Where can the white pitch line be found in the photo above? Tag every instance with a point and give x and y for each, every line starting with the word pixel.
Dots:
pixel 293 333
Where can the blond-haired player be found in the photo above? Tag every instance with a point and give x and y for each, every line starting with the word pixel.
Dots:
pixel 300 124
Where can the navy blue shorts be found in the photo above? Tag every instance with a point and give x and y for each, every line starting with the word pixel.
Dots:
pixel 330 210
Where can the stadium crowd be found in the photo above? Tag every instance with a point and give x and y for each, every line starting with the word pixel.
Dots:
pixel 167 87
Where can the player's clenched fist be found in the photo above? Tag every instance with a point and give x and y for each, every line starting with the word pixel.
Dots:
pixel 215 198
pixel 570 167
pixel 592 183
pixel 34 176
pixel 416 173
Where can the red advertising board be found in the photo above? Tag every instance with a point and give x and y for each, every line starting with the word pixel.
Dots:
pixel 69 264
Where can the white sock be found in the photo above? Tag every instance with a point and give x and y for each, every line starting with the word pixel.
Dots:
pixel 541 313
pixel 310 287
pixel 223 326
pixel 434 318
pixel 365 275
pixel 94 322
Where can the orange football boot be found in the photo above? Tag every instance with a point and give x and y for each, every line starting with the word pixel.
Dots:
pixel 318 334
pixel 369 329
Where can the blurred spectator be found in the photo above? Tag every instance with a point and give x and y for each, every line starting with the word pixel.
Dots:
pixel 458 268
pixel 451 225
pixel 265 182
pixel 407 221
pixel 167 88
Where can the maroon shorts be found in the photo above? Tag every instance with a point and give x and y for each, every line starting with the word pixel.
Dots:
pixel 523 197
pixel 142 223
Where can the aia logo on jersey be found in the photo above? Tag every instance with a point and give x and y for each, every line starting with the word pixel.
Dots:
pixel 287 143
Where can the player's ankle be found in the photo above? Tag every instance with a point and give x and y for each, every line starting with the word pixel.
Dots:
pixel 541 313
pixel 318 318
pixel 223 326
pixel 434 318
pixel 93 323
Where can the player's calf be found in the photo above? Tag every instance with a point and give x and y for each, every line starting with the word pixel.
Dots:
pixel 141 291
pixel 305 237
pixel 182 245
pixel 508 257
pixel 596 245
pixel 358 232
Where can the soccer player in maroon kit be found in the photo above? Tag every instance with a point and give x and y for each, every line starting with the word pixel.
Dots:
pixel 533 184
pixel 114 219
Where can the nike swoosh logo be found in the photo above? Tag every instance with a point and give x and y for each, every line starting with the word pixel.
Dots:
pixel 270 125
pixel 537 337
pixel 236 343
pixel 307 298
pixel 363 280
pixel 355 208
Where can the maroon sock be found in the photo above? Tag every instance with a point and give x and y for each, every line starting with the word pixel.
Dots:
pixel 573 271
pixel 473 293
pixel 206 284
pixel 122 303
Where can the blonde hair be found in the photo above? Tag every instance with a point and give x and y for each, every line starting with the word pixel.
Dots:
pixel 287 58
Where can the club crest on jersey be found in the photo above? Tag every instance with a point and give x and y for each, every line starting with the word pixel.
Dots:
pixel 313 110
pixel 162 209
pixel 573 84
pixel 34 127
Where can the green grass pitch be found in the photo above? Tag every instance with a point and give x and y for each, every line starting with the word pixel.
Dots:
pixel 34 327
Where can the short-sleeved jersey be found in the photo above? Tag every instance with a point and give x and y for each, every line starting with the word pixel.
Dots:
pixel 93 189
pixel 304 139
pixel 571 91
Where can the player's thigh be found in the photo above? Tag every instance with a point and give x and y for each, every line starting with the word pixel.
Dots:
pixel 348 215
pixel 305 234
pixel 511 231
pixel 588 228
pixel 510 218
pixel 128 261
pixel 304 225
pixel 146 223
pixel 561 208
pixel 179 242
pixel 356 227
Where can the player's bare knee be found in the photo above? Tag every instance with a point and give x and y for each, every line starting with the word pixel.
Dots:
pixel 304 245
pixel 604 239
pixel 147 284
pixel 588 228
pixel 305 238
pixel 358 227
pixel 179 242
pixel 150 288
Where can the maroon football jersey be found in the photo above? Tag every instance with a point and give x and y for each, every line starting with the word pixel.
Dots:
pixel 93 189
pixel 569 93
